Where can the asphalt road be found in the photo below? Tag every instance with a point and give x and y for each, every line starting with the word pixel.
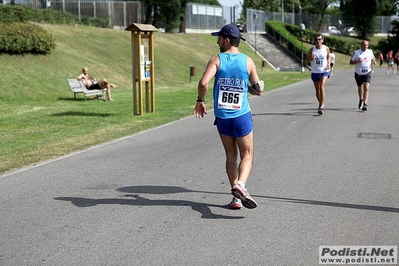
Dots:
pixel 159 197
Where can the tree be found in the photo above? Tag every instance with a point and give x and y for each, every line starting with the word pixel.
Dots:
pixel 170 10
pixel 316 7
pixel 392 42
pixel 148 11
pixel 182 28
pixel 387 7
pixel 300 6
pixel 162 14
pixel 363 18
pixel 169 14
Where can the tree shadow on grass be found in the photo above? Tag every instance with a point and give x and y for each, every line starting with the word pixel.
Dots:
pixel 78 113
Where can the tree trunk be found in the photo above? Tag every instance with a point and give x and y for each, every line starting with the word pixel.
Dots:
pixel 148 11
pixel 182 28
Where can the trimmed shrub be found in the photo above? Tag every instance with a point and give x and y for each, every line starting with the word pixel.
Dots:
pixel 95 22
pixel 19 38
pixel 344 46
pixel 12 13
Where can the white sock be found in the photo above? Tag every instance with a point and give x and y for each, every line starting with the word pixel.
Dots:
pixel 240 183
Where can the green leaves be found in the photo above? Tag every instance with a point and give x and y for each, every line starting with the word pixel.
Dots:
pixel 19 38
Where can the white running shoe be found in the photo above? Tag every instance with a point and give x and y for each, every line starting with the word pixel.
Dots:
pixel 242 193
pixel 235 204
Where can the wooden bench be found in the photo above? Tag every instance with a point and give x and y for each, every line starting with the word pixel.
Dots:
pixel 77 86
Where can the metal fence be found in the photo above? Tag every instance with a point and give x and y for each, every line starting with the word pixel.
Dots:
pixel 207 18
pixel 120 13
pixel 201 17
pixel 256 20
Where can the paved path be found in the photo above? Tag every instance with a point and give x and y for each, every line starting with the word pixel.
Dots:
pixel 159 197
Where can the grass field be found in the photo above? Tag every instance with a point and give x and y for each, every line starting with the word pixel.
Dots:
pixel 39 119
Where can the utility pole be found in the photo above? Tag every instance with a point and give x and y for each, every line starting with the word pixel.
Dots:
pixel 303 27
pixel 255 16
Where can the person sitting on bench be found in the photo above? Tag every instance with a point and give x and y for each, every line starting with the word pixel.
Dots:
pixel 92 84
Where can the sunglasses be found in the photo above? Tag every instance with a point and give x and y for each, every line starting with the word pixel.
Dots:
pixel 318 39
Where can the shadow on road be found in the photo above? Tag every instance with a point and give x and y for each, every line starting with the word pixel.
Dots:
pixel 335 204
pixel 134 199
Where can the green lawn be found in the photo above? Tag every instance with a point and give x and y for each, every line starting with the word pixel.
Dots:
pixel 40 120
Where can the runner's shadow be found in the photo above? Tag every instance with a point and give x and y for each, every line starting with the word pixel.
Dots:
pixel 157 190
pixel 311 112
pixel 136 200
pixel 334 204
pixel 172 189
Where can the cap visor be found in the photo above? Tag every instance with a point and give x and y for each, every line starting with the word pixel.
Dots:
pixel 215 33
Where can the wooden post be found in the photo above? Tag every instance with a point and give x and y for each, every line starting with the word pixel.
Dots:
pixel 139 67
pixel 152 80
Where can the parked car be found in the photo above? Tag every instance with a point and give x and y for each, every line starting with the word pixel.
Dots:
pixel 349 31
pixel 241 27
pixel 333 30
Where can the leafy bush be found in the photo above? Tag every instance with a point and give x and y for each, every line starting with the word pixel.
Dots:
pixel 19 38
pixel 293 33
pixel 12 13
pixel 96 22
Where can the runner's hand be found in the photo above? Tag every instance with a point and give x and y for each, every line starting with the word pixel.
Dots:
pixel 199 110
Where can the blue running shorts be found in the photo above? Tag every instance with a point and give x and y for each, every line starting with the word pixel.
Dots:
pixel 317 76
pixel 235 127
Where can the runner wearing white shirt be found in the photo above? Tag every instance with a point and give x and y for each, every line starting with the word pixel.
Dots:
pixel 319 59
pixel 332 61
pixel 363 58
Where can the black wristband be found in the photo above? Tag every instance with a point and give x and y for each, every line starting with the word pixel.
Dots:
pixel 200 100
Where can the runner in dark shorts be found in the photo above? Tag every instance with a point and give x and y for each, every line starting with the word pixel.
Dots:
pixel 362 78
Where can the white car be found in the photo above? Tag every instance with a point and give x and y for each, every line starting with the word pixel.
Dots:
pixel 333 30
pixel 349 31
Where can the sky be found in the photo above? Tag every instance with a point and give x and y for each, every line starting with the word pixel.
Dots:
pixel 233 3
pixel 230 2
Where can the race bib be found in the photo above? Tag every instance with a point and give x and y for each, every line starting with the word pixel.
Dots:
pixel 319 61
pixel 364 70
pixel 230 97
